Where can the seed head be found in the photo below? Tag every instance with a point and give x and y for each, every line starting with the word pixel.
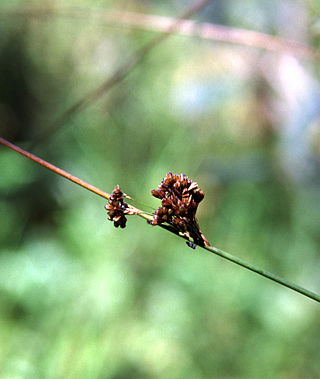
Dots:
pixel 117 208
pixel 180 197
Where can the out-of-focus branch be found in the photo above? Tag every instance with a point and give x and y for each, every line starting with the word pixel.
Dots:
pixel 121 72
pixel 212 32
pixel 207 31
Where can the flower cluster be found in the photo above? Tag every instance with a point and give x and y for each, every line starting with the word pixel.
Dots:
pixel 117 208
pixel 180 198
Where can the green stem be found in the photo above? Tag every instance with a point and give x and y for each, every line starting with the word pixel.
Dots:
pixel 241 262
pixel 263 272
pixel 169 228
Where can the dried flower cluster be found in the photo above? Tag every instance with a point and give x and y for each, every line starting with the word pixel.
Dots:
pixel 117 208
pixel 180 198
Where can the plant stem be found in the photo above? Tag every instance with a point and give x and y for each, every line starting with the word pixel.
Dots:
pixel 169 228
pixel 263 272
pixel 55 169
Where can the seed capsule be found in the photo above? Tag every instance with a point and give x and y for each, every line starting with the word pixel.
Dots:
pixel 198 195
pixel 166 202
pixel 155 193
pixel 183 210
pixel 176 221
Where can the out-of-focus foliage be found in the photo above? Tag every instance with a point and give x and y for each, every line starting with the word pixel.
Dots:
pixel 81 299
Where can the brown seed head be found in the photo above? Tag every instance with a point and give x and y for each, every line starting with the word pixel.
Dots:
pixel 180 199
pixel 117 208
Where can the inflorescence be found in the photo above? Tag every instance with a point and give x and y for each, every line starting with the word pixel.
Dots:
pixel 180 198
pixel 117 208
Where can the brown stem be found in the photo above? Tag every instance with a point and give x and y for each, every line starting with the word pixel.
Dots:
pixel 81 182
pixel 67 175
pixel 55 169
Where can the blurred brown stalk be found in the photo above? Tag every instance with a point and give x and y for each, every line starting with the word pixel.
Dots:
pixel 207 31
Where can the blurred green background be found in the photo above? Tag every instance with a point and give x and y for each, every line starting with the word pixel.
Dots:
pixel 81 299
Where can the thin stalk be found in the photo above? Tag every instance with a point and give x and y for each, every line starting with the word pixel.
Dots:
pixel 263 272
pixel 169 228
pixel 55 169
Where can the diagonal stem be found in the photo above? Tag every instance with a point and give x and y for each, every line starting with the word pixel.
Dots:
pixel 263 272
pixel 55 169
pixel 169 228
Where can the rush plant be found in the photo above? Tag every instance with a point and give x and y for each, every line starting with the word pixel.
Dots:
pixel 180 197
